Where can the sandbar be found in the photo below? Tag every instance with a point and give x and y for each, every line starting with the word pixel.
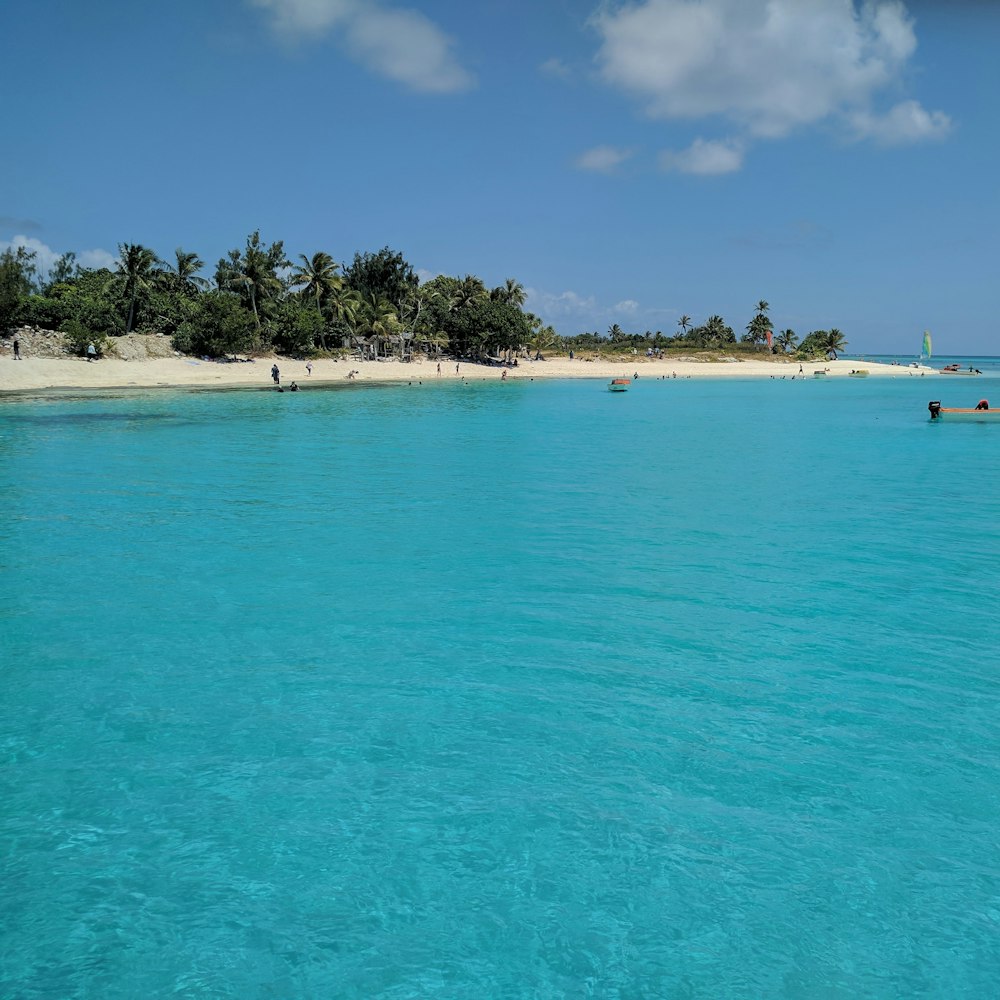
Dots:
pixel 33 374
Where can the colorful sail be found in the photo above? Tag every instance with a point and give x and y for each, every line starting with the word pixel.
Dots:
pixel 925 351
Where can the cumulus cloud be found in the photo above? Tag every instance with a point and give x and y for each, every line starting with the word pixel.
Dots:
pixel 602 159
pixel 45 256
pixel 567 304
pixel 629 306
pixel 905 123
pixel 770 66
pixel 704 156
pixel 402 45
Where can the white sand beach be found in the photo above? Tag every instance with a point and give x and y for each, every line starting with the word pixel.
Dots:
pixel 41 373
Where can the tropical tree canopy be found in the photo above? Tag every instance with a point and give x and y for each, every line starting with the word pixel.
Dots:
pixel 253 274
pixel 511 292
pixel 377 305
pixel 385 274
pixel 137 266
pixel 786 340
pixel 317 277
pixel 17 275
pixel 185 270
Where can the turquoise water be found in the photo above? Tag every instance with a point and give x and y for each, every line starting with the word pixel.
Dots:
pixel 988 365
pixel 521 690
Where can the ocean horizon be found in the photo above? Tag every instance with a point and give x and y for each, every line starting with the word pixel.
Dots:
pixel 501 690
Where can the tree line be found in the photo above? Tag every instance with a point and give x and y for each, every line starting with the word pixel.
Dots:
pixel 260 300
pixel 715 334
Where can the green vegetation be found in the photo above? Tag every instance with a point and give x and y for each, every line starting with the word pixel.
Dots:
pixel 374 307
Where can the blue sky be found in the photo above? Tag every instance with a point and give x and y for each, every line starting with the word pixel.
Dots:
pixel 627 162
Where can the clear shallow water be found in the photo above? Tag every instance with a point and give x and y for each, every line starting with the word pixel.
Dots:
pixel 523 690
pixel 987 365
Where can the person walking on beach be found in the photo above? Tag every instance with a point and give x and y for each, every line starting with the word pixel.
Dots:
pixel 275 374
pixel 309 368
pixel 17 348
pixel 439 368
pixel 456 369
pixel 91 351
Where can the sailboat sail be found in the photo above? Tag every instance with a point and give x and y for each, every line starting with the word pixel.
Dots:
pixel 925 351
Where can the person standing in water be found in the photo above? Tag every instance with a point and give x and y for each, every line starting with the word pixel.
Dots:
pixel 275 374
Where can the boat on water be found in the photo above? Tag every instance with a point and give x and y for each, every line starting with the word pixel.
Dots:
pixel 978 414
pixel 819 373
pixel 858 373
pixel 959 370
pixel 621 385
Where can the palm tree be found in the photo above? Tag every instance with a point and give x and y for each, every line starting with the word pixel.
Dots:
pixel 543 339
pixel 253 273
pixel 615 332
pixel 787 340
pixel 319 280
pixel 137 265
pixel 834 342
pixel 715 333
pixel 345 308
pixel 762 307
pixel 186 271
pixel 684 322
pixel 379 317
pixel 511 291
pixel 436 339
pixel 468 291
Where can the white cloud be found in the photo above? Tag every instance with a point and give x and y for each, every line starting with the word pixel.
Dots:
pixel 906 122
pixel 97 259
pixel 404 46
pixel 704 156
pixel 770 66
pixel 45 256
pixel 561 304
pixel 399 44
pixel 602 159
pixel 629 306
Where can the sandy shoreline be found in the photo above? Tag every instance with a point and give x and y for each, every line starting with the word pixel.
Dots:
pixel 38 374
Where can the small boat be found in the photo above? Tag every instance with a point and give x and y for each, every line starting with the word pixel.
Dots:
pixel 957 370
pixel 819 373
pixel 979 414
pixel 858 373
pixel 619 385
